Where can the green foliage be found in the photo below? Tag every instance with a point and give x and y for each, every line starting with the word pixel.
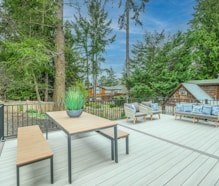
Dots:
pixel 93 34
pixel 110 78
pixel 131 7
pixel 160 63
pixel 94 105
pixel 204 39
pixel 34 114
pixel 119 100
pixel 141 91
pixel 74 99
pixel 74 64
pixel 27 61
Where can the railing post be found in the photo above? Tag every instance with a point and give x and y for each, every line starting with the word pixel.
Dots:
pixel 206 101
pixel 2 122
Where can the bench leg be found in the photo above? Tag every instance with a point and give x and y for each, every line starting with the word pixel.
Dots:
pixel 18 176
pixel 112 149
pixel 127 144
pixel 51 170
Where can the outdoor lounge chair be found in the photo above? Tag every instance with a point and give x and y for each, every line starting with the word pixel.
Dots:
pixel 150 109
pixel 133 110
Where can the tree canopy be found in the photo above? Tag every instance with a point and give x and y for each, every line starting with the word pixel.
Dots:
pixel 39 52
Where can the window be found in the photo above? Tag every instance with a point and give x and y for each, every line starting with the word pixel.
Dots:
pixel 182 92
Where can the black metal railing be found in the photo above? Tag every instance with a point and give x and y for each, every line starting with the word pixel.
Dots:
pixel 1 122
pixel 26 114
pixel 14 115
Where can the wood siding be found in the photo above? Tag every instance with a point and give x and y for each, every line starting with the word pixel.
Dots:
pixel 211 90
pixel 177 96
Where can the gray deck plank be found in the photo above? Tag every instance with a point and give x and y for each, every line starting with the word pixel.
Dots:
pixel 185 173
pixel 162 151
pixel 212 176
pixel 200 173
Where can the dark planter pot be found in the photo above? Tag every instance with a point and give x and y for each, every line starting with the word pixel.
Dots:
pixel 74 113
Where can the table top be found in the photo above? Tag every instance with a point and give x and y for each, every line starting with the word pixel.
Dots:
pixel 86 122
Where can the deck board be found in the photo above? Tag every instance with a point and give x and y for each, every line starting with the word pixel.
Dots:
pixel 162 152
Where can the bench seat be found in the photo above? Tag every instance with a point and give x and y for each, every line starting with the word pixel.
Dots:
pixel 32 147
pixel 109 133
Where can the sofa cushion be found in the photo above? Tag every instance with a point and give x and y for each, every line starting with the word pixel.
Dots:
pixel 179 107
pixel 154 106
pixel 197 109
pixel 187 107
pixel 206 109
pixel 215 110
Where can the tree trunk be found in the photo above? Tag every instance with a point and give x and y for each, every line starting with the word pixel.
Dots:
pixel 36 88
pixel 59 84
pixel 127 38
pixel 47 87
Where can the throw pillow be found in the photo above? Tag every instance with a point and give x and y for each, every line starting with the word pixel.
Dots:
pixel 154 106
pixel 187 107
pixel 179 107
pixel 206 109
pixel 133 107
pixel 197 109
pixel 215 110
pixel 136 106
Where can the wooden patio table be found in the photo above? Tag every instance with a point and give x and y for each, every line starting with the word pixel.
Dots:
pixel 85 123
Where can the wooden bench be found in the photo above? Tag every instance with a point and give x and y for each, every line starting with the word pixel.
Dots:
pixel 32 147
pixel 109 133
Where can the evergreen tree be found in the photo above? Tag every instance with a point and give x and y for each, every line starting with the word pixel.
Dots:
pixel 109 79
pixel 204 39
pixel 95 30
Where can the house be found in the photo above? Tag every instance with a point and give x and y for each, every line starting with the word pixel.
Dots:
pixel 200 91
pixel 105 93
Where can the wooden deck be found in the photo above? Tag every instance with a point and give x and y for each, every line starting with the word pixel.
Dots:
pixel 162 152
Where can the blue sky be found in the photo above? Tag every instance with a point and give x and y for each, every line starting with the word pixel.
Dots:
pixel 168 15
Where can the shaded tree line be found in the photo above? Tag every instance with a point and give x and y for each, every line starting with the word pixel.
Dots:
pixel 40 55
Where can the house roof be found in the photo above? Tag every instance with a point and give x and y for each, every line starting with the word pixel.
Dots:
pixel 196 91
pixel 205 82
pixel 117 87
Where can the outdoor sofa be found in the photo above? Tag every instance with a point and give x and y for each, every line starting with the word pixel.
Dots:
pixel 197 111
pixel 135 110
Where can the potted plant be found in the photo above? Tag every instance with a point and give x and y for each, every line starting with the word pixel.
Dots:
pixel 74 100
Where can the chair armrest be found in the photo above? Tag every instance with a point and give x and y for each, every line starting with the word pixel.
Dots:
pixel 129 112
pixel 145 109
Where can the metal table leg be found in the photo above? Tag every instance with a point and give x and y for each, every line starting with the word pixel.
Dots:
pixel 116 144
pixel 69 159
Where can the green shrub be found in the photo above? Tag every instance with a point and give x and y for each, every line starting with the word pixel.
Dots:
pixel 119 100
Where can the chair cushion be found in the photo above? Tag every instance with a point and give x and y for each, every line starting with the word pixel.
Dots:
pixel 206 109
pixel 146 103
pixel 154 106
pixel 215 110
pixel 197 109
pixel 187 107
